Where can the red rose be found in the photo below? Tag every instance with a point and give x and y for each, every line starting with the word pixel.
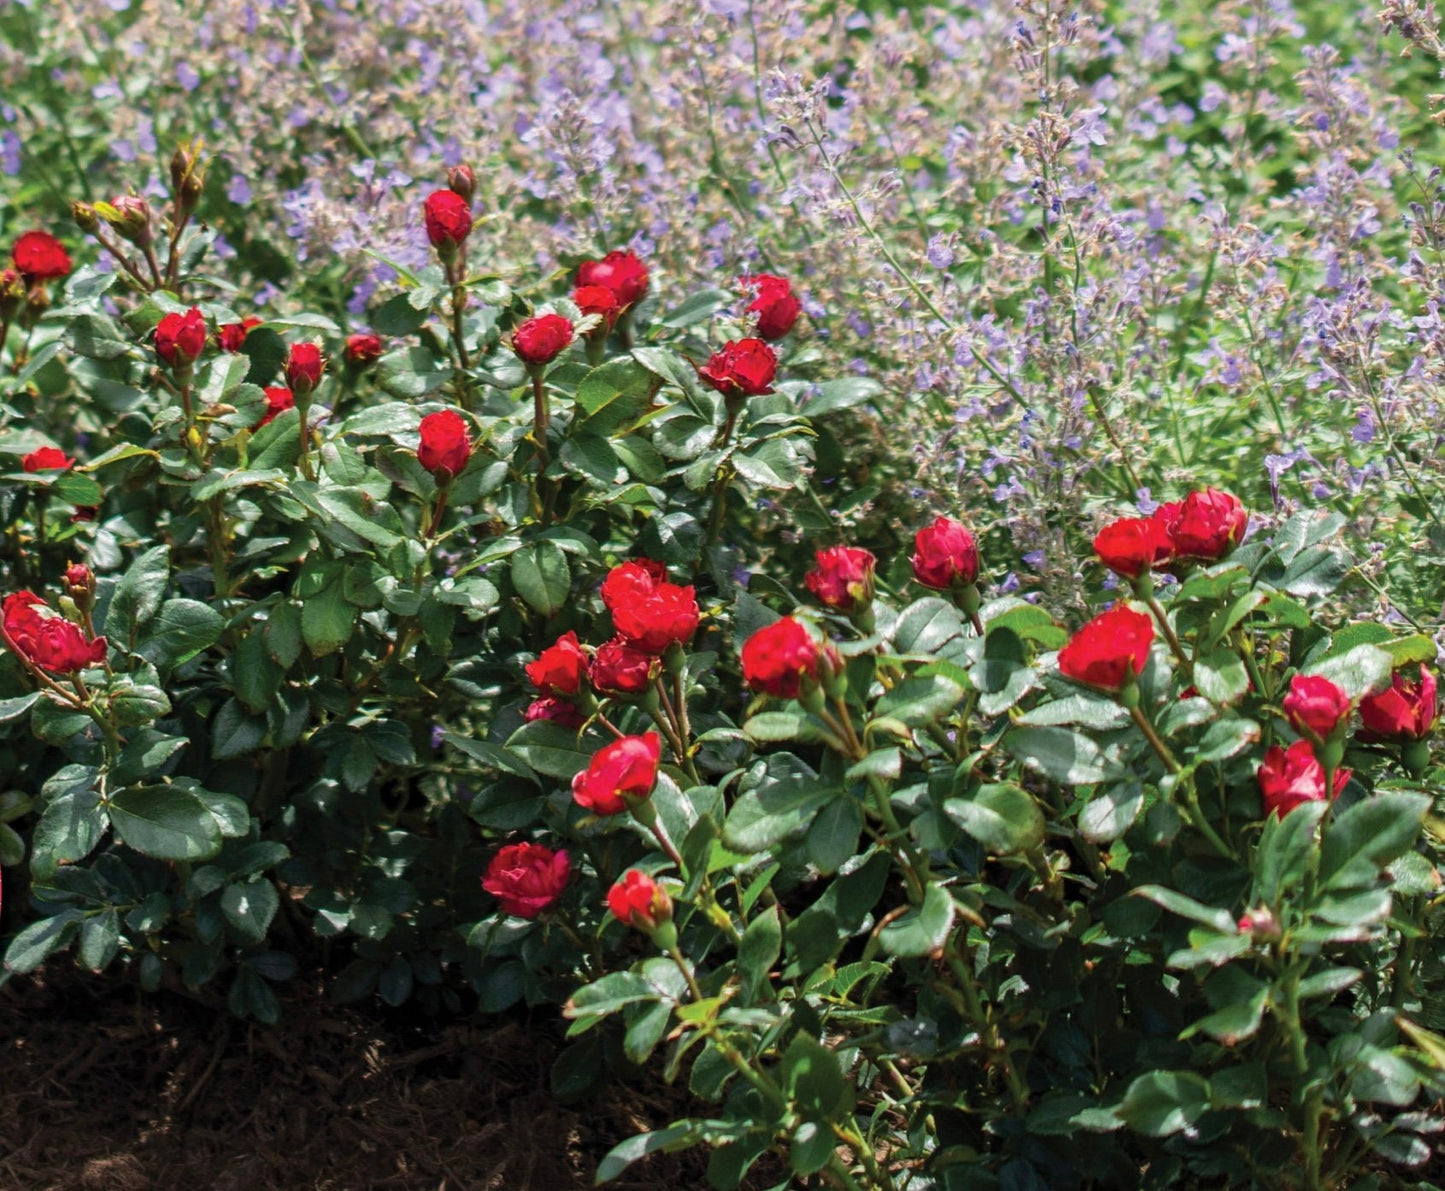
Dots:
pixel 625 768
pixel 80 585
pixel 843 578
pixel 657 618
pixel 448 219
pixel 1208 524
pixel 746 368
pixel 598 300
pixel 39 256
pixel 555 710
pixel 540 340
pixel 446 443
pixel 46 640
pixel 278 401
pixel 1293 776
pixel 527 878
pixel 233 335
pixel 1407 711
pixel 1109 651
pixel 944 554
pixel 1315 706
pixel 618 668
pixel 778 657
pixel 363 348
pixel 621 272
pixel 47 459
pixel 1134 544
pixel 629 580
pixel 639 901
pixel 561 667
pixel 181 338
pixel 776 307
pixel 304 367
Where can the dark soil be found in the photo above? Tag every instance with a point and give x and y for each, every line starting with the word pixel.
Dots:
pixel 105 1089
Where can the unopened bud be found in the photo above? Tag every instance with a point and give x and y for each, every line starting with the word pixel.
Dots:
pixel 85 217
pixel 12 294
pixel 461 180
pixel 130 215
pixel 80 585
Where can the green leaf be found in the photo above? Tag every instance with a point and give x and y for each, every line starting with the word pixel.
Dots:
pixel 758 951
pixel 249 907
pixel 40 940
pixel 98 337
pixel 138 594
pixel 843 393
pixel 922 930
pixel 181 630
pixel 327 619
pixel 165 823
pixel 550 749
pixel 1165 1102
pixel 1004 818
pixel 1368 836
pixel 1283 851
pixel 235 732
pixel 812 1146
pixel 762 817
pixel 265 350
pixel 833 837
pixel 1112 811
pixel 1087 711
pixel 410 374
pixel 680 1136
pixel 1187 907
pixel 1363 670
pixel 541 576
pixel 398 316
pixel 1068 757
pixel 69 828
pixel 611 993
pixel 812 1077
pixel 927 625
pixel 919 701
pixel 77 489
pixel 1220 676
pixel 615 394
pixel 591 456
pixel 773 726
pixel 1315 571
pixel 697 308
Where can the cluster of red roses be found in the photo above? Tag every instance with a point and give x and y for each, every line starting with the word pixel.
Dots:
pixel 47 641
pixel 1203 526
pixel 35 258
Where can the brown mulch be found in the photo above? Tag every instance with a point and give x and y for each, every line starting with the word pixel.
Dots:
pixel 105 1089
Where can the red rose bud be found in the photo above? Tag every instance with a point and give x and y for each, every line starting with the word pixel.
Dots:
pixel 446 444
pixel 746 368
pixel 555 710
pixel 619 669
pixel 1293 776
pixel 1407 711
pixel 639 902
pixel 80 585
pixel 1316 707
pixel 779 658
pixel 181 338
pixel 12 294
pixel 46 640
pixel 232 335
pixel 363 348
pixel 843 578
pixel 130 216
pixel 527 878
pixel 1110 651
pixel 304 367
pixel 658 617
pixel 47 459
pixel 1132 545
pixel 278 401
pixel 448 219
pixel 561 667
pixel 598 300
pixel 631 580
pixel 944 555
pixel 39 256
pixel 621 272
pixel 775 305
pixel 625 769
pixel 541 340
pixel 462 182
pixel 1208 525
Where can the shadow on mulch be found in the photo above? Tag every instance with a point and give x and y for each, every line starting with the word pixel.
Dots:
pixel 105 1089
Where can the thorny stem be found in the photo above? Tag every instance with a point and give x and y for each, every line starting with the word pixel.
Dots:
pixel 546 493
pixel 982 1021
pixel 1175 647
pixel 1185 786
pixel 1308 1098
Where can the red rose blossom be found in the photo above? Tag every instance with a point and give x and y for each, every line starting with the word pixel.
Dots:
pixel 1407 711
pixel 541 340
pixel 778 657
pixel 639 901
pixel 278 401
pixel 448 219
pixel 363 348
pixel 304 367
pixel 843 578
pixel 181 338
pixel 626 768
pixel 1132 545
pixel 746 368
pixel 561 667
pixel 621 272
pixel 446 444
pixel 39 256
pixel 944 554
pixel 47 459
pixel 1315 706
pixel 47 640
pixel 232 335
pixel 1109 651
pixel 775 304
pixel 619 668
pixel 598 300
pixel 1293 776
pixel 527 878
pixel 629 580
pixel 1208 524
pixel 554 710
pixel 657 618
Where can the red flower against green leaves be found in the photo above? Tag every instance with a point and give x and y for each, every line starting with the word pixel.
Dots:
pixel 448 219
pixel 625 769
pixel 746 368
pixel 304 367
pixel 598 300
pixel 944 555
pixel 363 348
pixel 1110 651
pixel 843 577
pixel 181 338
pixel 1208 525
pixel 527 878
pixel 649 612
pixel 776 306
pixel 542 339
pixel 1315 706
pixel 1293 776
pixel 631 580
pixel 1407 711
pixel 46 639
pixel 554 710
pixel 621 272
pixel 232 335
pixel 47 459
pixel 39 256
pixel 639 901
pixel 561 667
pixel 618 668
pixel 779 657
pixel 446 444
pixel 278 401
pixel 1133 545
